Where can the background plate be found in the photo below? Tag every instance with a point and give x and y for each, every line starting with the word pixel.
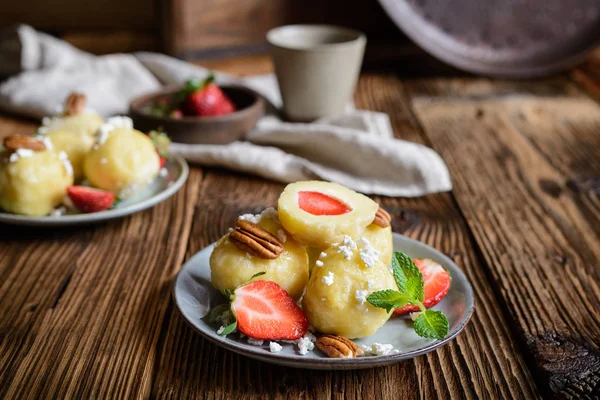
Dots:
pixel 195 296
pixel 161 188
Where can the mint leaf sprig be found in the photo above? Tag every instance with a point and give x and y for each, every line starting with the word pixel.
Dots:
pixel 411 289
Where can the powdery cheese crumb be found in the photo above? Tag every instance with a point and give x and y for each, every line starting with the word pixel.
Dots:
pixel 361 296
pixel 319 263
pixel 163 172
pixel 47 143
pixel 255 219
pixel 368 254
pixel 255 342
pixel 66 163
pixel 220 330
pixel 322 255
pixel 379 349
pixel 415 315
pixel 369 284
pixel 111 124
pixel 328 279
pixel 306 343
pixel 275 347
pixel 20 153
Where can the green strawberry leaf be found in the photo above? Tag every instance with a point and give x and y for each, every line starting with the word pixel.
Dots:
pixel 431 324
pixel 213 315
pixel 229 328
pixel 408 277
pixel 388 299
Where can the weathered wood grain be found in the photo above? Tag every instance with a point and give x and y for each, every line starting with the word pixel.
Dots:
pixel 525 172
pixel 481 363
pixel 83 307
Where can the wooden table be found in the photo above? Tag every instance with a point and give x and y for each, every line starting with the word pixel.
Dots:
pixel 87 313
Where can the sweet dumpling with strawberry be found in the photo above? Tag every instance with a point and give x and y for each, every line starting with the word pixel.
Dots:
pixel 122 159
pixel 33 179
pixel 259 244
pixel 72 131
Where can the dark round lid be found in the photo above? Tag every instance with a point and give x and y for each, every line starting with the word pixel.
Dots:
pixel 512 38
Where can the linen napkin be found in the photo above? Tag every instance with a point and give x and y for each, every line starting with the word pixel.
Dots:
pixel 356 149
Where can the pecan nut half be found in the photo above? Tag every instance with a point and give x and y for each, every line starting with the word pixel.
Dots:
pixel 16 142
pixel 255 241
pixel 338 347
pixel 382 218
pixel 75 103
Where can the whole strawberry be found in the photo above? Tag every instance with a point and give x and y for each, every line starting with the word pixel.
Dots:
pixel 205 99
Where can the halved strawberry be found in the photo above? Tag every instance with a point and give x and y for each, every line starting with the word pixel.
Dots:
pixel 437 284
pixel 265 311
pixel 317 203
pixel 90 200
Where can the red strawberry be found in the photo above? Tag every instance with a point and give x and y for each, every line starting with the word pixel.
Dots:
pixel 208 101
pixel 265 311
pixel 162 160
pixel 317 203
pixel 90 200
pixel 437 284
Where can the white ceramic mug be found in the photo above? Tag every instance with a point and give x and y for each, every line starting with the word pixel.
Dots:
pixel 317 67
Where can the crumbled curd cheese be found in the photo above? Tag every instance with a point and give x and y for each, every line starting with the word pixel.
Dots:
pixel 275 347
pixel 328 279
pixel 306 343
pixel 415 315
pixel 361 296
pixel 58 212
pixel 255 342
pixel 20 153
pixel 378 349
pixel 47 143
pixel 369 284
pixel 163 172
pixel 319 263
pixel 220 330
pixel 66 163
pixel 322 255
pixel 368 254
pixel 111 124
pixel 255 219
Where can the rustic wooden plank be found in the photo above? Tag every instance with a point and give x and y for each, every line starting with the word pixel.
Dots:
pixel 481 363
pixel 533 209
pixel 82 307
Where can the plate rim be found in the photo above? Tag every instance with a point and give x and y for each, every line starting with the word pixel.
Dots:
pixel 335 363
pixel 82 219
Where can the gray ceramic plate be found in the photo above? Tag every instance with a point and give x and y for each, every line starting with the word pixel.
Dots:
pixel 194 296
pixel 157 191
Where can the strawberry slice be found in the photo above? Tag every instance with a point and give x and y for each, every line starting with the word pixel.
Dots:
pixel 90 200
pixel 437 284
pixel 265 311
pixel 316 203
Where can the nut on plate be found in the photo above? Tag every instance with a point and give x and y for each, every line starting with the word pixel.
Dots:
pixel 16 142
pixel 254 240
pixel 338 347
pixel 75 103
pixel 382 218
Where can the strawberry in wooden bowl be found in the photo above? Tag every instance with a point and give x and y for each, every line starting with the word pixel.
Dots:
pixel 200 112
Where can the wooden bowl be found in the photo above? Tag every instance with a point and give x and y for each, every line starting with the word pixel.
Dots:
pixel 201 130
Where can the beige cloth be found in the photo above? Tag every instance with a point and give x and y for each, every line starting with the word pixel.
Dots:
pixel 355 149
